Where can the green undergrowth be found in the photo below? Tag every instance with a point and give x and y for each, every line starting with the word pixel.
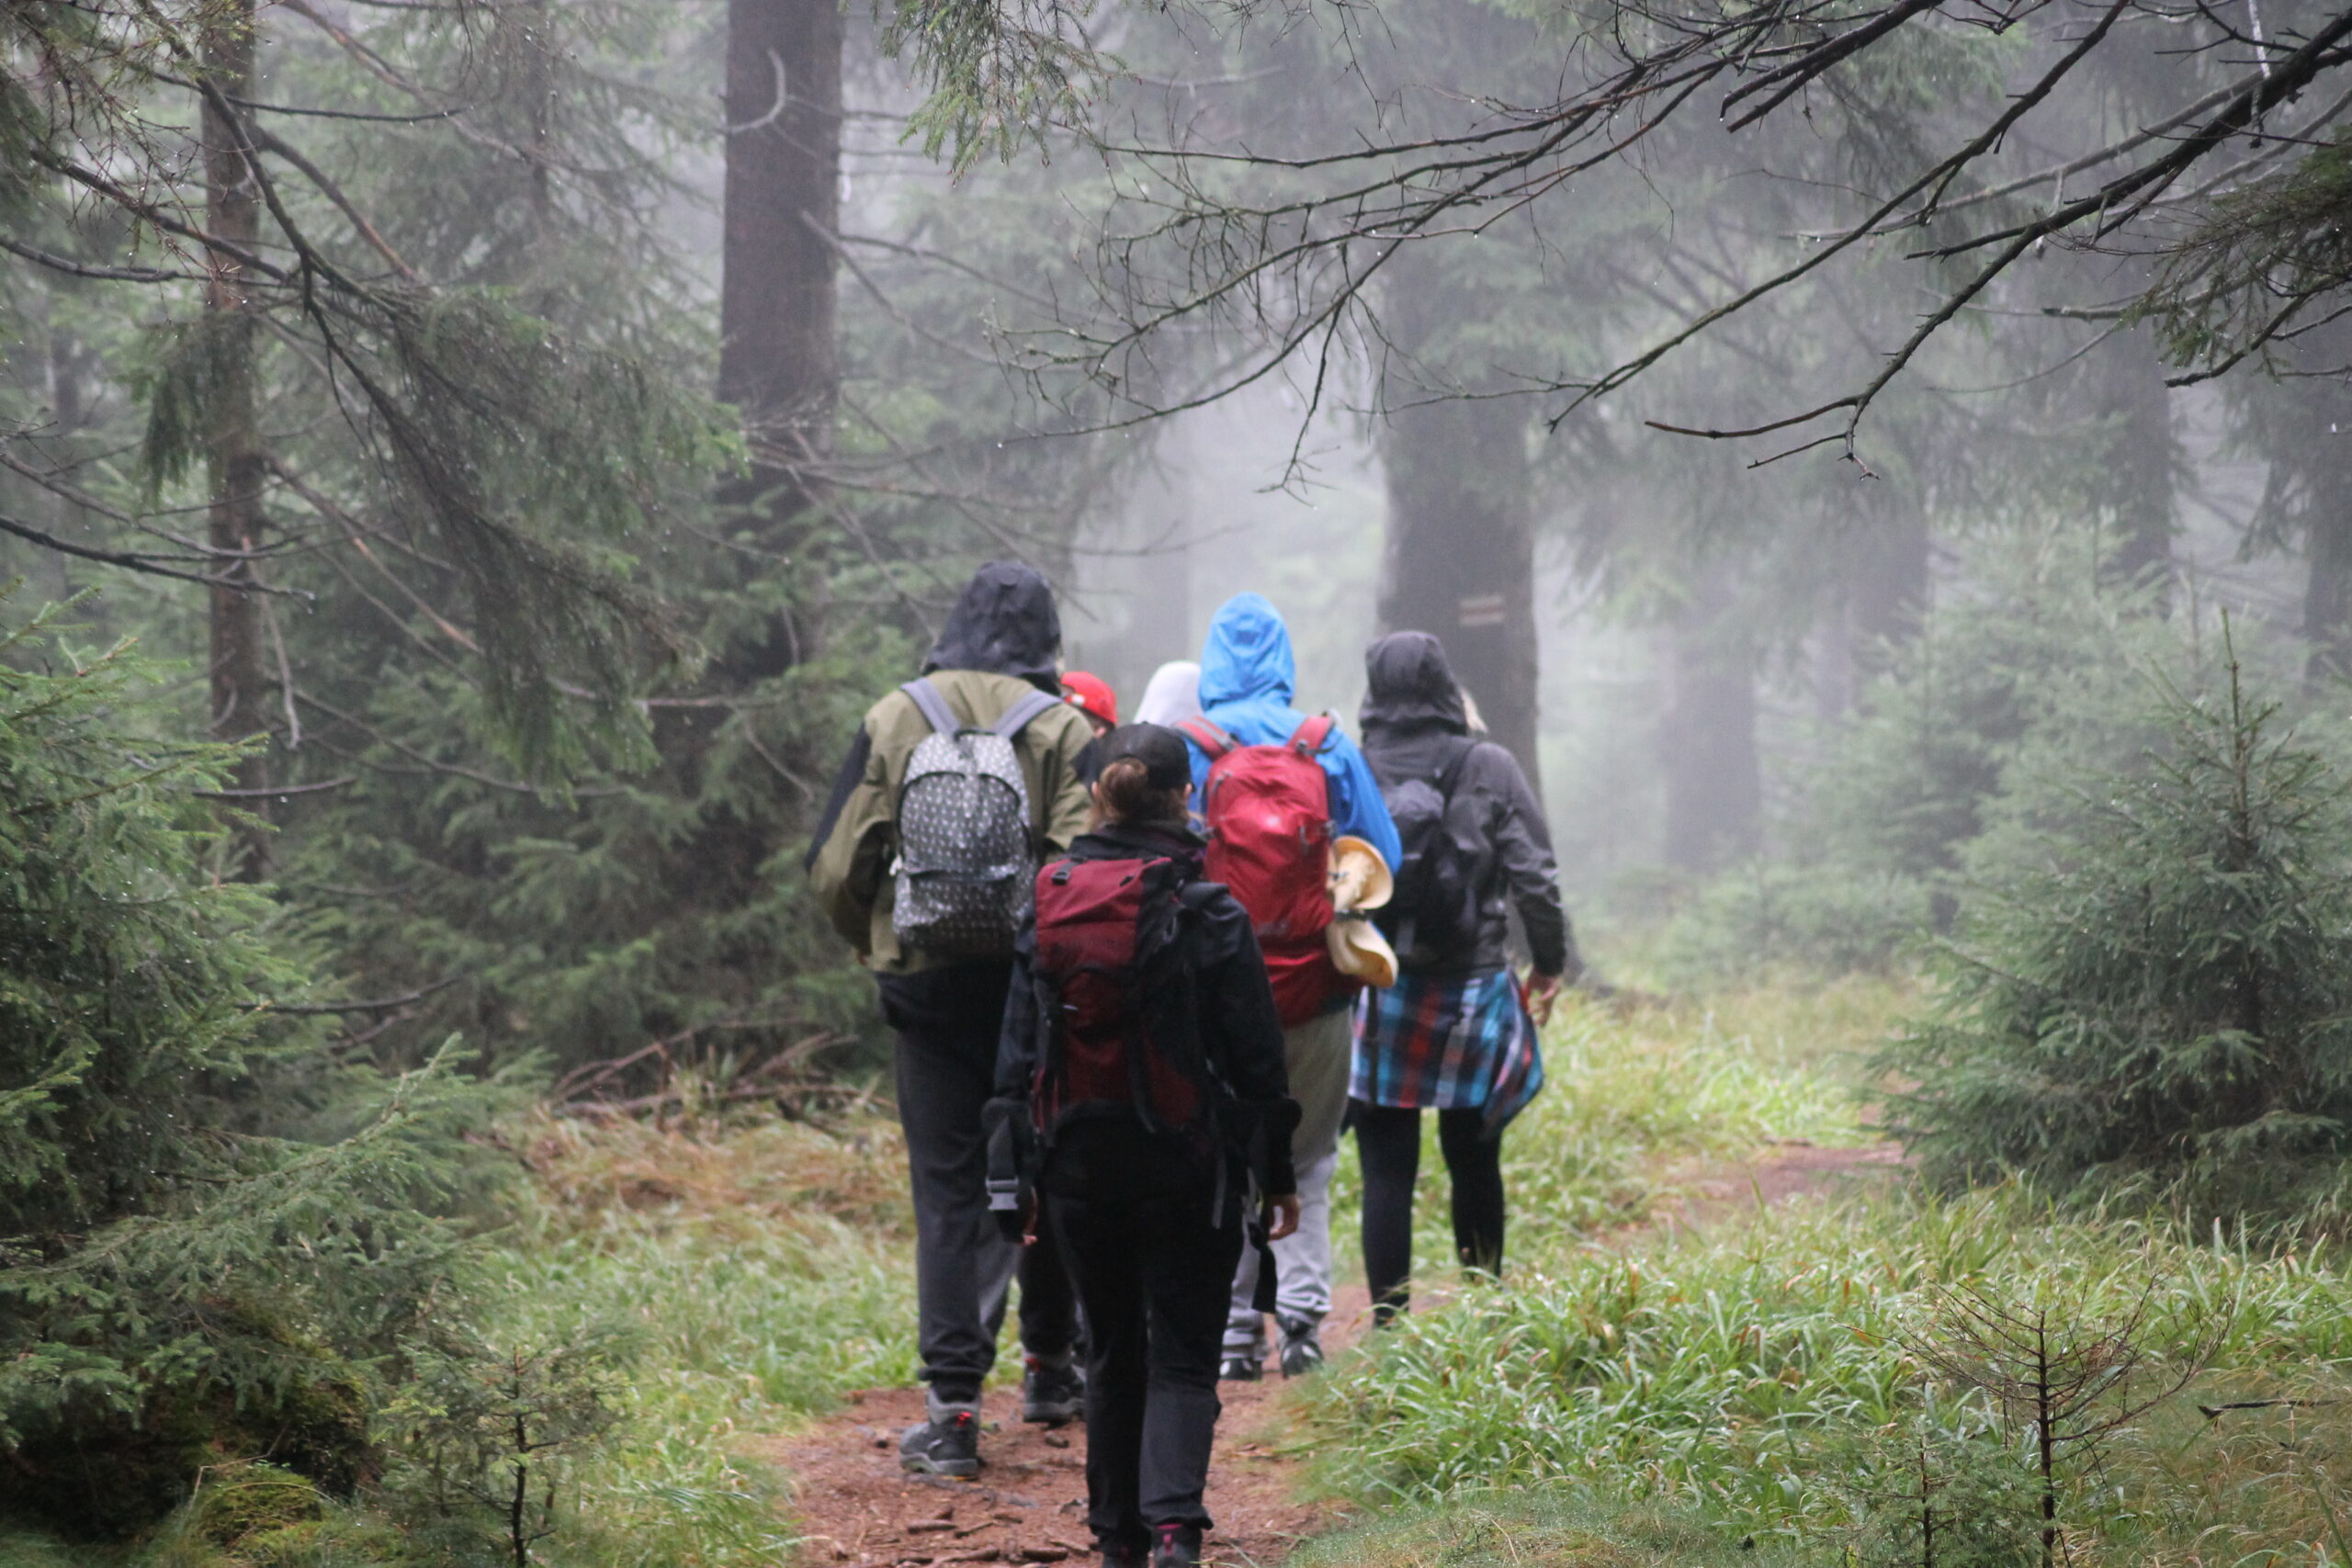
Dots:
pixel 1640 1097
pixel 760 1272
pixel 1781 1387
pixel 737 1277
pixel 1559 1532
pixel 1773 1381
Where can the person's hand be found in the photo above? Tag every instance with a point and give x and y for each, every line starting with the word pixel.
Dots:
pixel 1282 1216
pixel 1543 990
pixel 1029 1224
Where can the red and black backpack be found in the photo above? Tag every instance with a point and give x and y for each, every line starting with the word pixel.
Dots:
pixel 1115 1002
pixel 1268 809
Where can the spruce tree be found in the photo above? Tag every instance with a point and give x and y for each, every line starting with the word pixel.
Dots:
pixel 2160 987
pixel 205 1229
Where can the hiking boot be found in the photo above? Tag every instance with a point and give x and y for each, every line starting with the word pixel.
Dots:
pixel 1240 1368
pixel 1052 1390
pixel 1176 1546
pixel 947 1444
pixel 1301 1346
pixel 1124 1551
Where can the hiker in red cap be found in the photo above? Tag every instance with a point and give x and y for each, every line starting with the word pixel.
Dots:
pixel 1092 695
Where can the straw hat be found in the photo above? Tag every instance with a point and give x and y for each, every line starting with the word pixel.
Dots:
pixel 1359 950
pixel 1359 878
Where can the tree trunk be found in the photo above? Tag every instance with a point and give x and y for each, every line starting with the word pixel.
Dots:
pixel 235 464
pixel 2327 591
pixel 777 359
pixel 2141 459
pixel 1714 789
pixel 1461 553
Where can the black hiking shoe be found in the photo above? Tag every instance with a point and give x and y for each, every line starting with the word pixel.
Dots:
pixel 1122 1550
pixel 1240 1368
pixel 1053 1392
pixel 947 1444
pixel 1176 1546
pixel 1301 1346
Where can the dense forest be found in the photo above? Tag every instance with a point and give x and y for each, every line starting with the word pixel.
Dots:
pixel 1879 464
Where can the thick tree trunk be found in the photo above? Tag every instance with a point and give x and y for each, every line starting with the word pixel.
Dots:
pixel 1461 553
pixel 2141 460
pixel 1714 789
pixel 777 359
pixel 2327 591
pixel 241 682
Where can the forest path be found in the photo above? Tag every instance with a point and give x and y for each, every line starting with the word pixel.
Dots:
pixel 857 1509
pixel 1791 1168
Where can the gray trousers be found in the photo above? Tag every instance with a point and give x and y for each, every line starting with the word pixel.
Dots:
pixel 1320 1054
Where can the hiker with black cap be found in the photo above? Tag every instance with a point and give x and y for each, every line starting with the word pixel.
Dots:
pixel 1144 1099
pixel 956 785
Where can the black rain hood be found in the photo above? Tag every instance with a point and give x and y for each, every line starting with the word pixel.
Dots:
pixel 1005 623
pixel 1409 685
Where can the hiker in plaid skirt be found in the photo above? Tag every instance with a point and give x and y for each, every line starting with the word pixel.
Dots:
pixel 1456 1033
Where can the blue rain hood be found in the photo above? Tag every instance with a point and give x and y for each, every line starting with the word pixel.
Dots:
pixel 1248 654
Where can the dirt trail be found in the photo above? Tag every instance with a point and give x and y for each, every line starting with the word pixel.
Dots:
pixel 1791 1168
pixel 1028 1505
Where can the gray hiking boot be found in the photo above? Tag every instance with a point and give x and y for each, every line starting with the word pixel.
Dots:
pixel 1052 1390
pixel 947 1444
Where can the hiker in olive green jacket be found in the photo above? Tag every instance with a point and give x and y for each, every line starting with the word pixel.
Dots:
pixel 1001 647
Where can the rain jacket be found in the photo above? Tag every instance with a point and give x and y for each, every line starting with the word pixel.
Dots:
pixel 1000 641
pixel 1414 728
pixel 1247 677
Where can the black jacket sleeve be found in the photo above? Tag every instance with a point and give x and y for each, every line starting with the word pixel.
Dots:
pixel 1241 1032
pixel 846 779
pixel 1522 844
pixel 1016 1047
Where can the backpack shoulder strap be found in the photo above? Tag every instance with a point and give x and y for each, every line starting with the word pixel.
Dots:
pixel 1208 737
pixel 935 711
pixel 1016 718
pixel 1451 779
pixel 1313 735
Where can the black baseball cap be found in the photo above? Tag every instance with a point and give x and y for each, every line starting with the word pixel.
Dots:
pixel 1166 761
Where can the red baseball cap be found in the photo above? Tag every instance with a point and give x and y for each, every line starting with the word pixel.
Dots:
pixel 1092 695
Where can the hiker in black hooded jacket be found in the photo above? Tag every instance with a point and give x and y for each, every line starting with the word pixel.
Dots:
pixel 1149 1221
pixel 1455 1034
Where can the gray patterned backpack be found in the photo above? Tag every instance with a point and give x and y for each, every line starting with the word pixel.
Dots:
pixel 966 858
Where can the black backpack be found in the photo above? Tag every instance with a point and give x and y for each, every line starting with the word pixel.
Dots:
pixel 1433 914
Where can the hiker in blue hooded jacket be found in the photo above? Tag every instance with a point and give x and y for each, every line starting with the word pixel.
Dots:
pixel 1248 679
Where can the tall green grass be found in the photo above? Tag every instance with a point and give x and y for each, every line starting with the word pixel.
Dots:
pixel 1750 1374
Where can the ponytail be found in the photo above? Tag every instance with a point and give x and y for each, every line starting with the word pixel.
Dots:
pixel 1124 794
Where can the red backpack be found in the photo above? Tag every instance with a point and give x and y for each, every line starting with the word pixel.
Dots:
pixel 1269 814
pixel 1114 1001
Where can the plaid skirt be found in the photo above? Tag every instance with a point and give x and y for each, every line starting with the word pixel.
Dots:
pixel 1448 1045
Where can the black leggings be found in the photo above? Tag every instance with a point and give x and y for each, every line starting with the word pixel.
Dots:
pixel 1388 1140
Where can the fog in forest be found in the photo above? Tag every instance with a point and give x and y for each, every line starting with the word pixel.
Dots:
pixel 475 475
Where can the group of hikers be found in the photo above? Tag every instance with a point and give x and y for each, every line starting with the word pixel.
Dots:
pixel 1141 978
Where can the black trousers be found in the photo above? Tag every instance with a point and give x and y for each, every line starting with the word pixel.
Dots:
pixel 1388 1143
pixel 1153 1256
pixel 948 1022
